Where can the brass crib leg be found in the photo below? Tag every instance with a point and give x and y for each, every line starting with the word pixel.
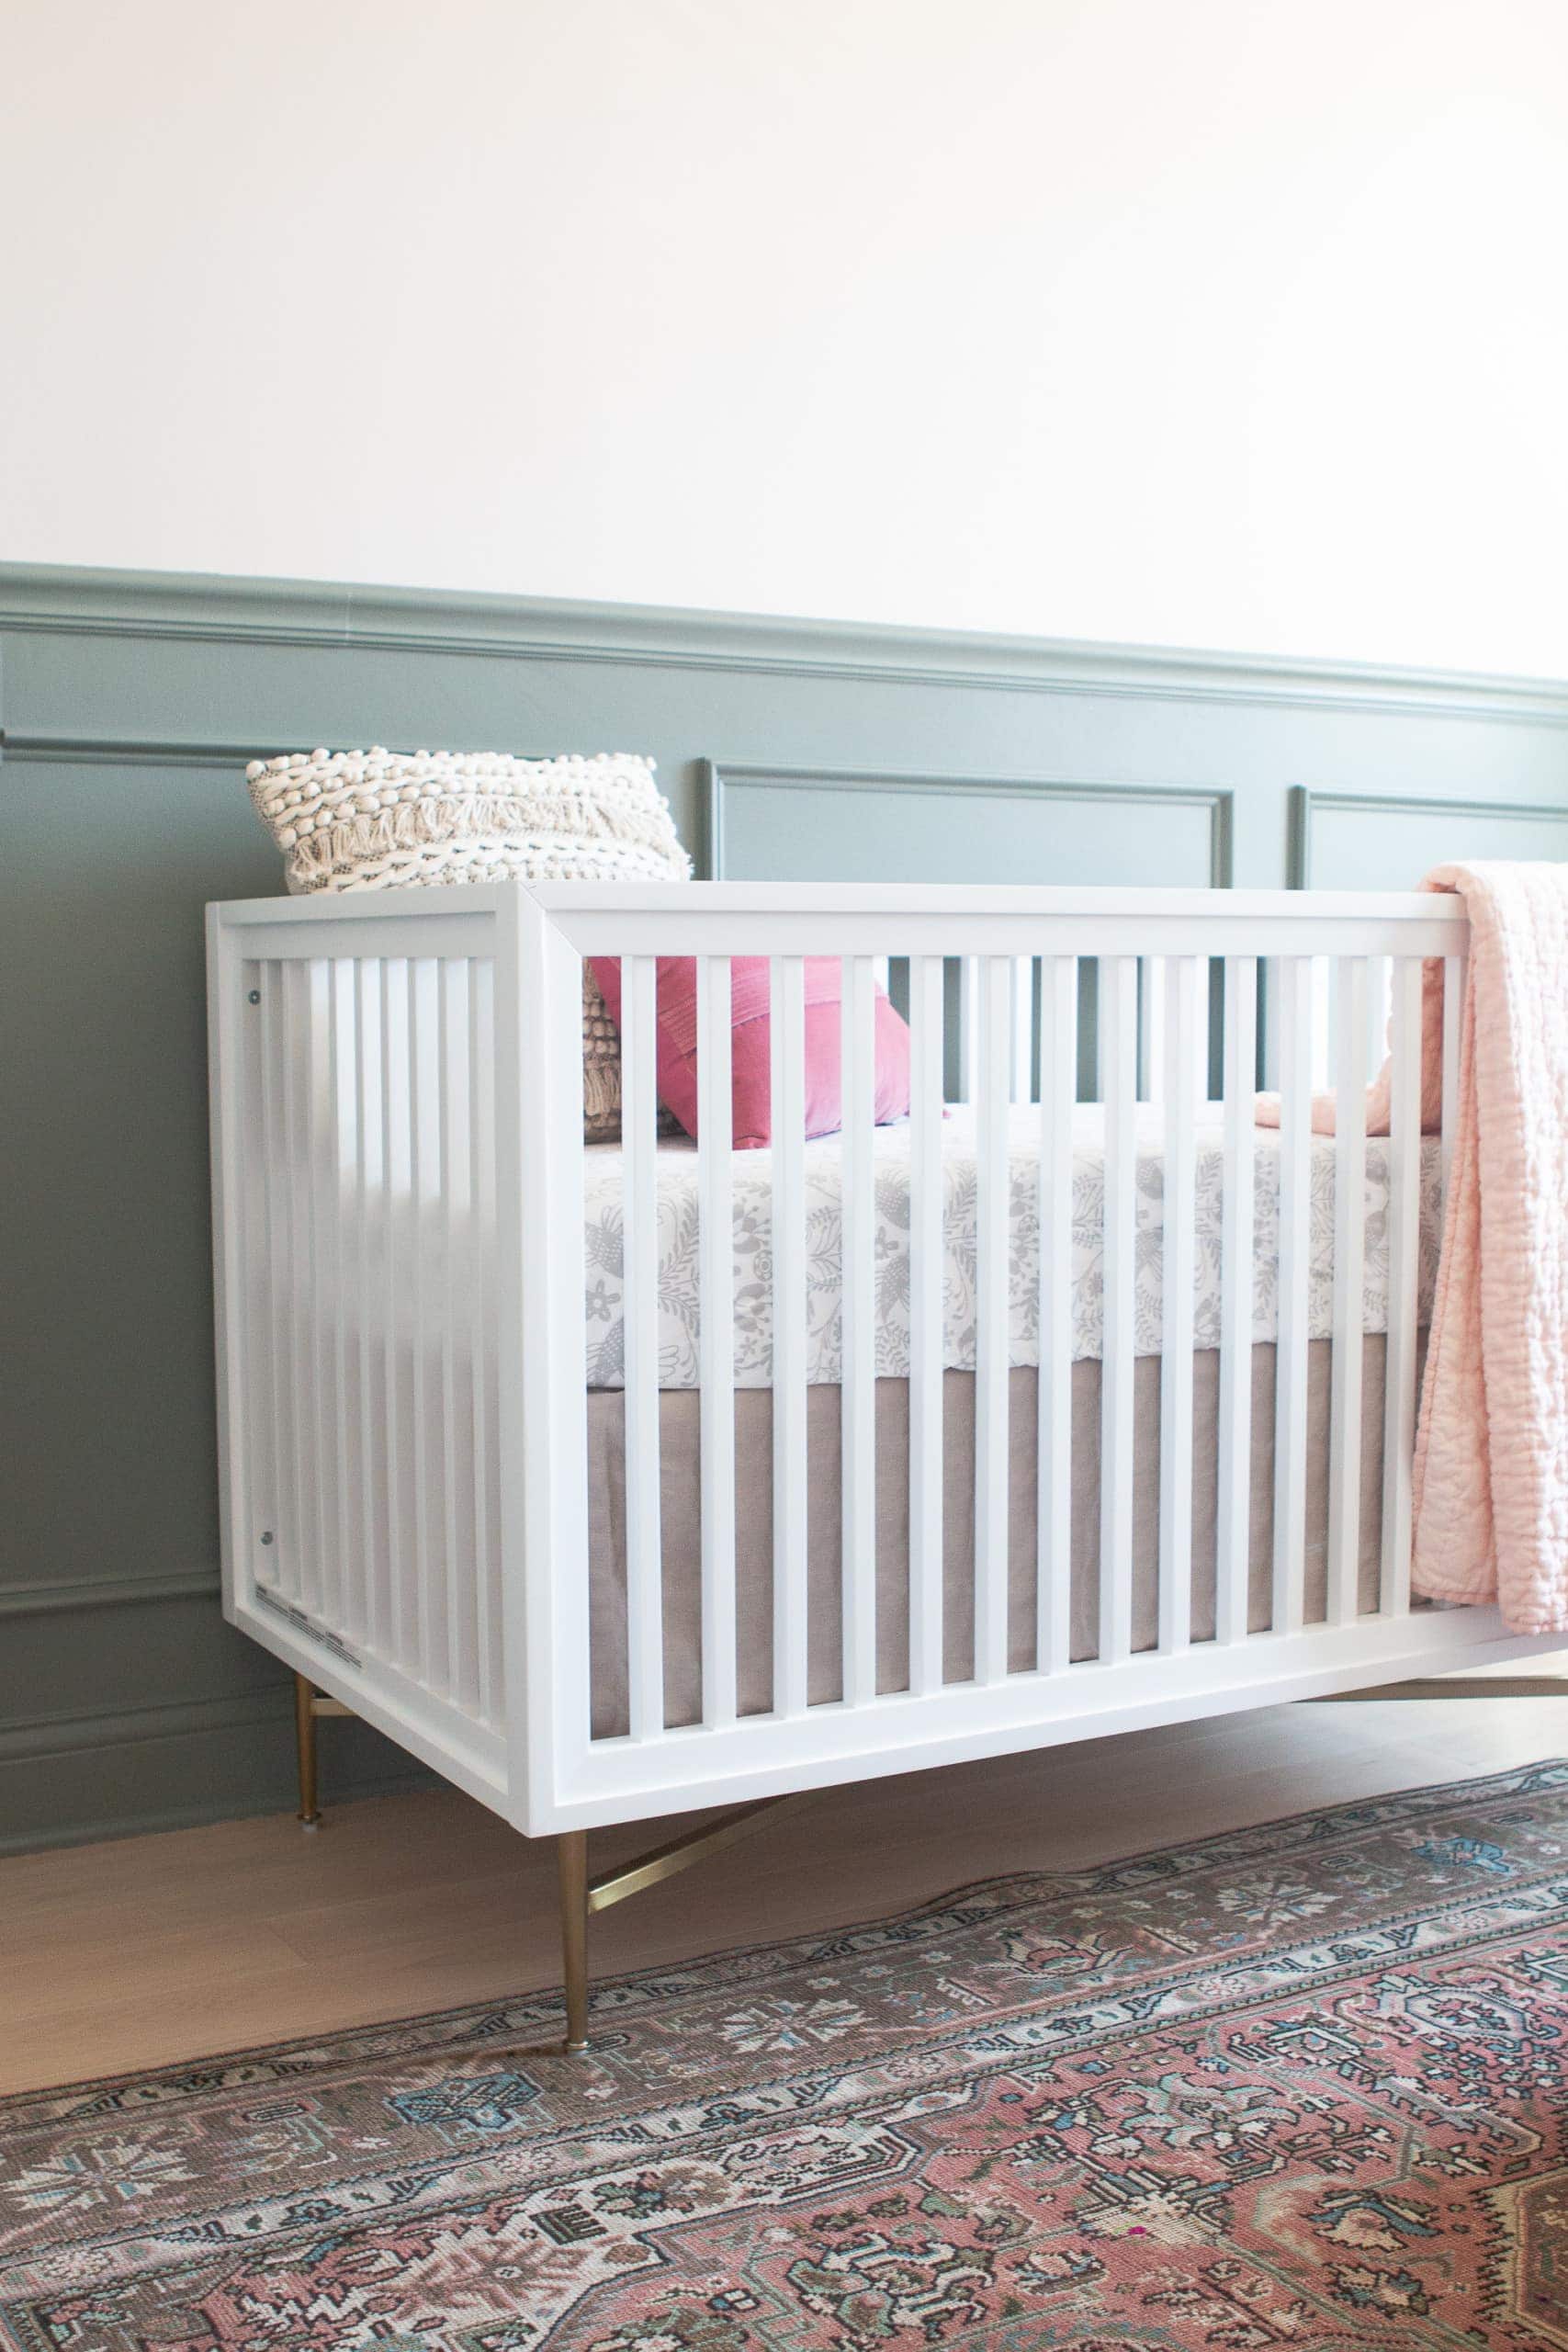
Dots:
pixel 305 1746
pixel 572 1859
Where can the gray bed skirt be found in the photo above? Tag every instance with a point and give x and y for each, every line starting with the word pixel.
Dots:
pixel 679 1495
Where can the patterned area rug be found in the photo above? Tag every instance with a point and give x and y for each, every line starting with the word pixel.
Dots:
pixel 1305 2084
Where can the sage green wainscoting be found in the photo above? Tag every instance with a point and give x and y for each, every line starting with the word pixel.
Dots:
pixel 129 706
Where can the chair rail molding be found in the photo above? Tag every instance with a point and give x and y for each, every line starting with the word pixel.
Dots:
pixel 72 601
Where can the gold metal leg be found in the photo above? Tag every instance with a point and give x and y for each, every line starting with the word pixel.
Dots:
pixel 305 1746
pixel 692 1846
pixel 579 1894
pixel 582 1895
pixel 572 1857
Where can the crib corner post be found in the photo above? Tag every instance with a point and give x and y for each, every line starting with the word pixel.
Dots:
pixel 571 1859
pixel 310 1814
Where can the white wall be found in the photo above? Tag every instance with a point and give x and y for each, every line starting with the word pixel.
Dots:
pixel 1211 322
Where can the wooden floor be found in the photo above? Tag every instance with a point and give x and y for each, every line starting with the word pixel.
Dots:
pixel 154 1948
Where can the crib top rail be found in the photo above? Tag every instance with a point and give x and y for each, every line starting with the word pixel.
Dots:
pixel 763 917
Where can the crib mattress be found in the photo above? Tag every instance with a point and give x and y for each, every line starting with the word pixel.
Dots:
pixel 680 1525
pixel 678 1302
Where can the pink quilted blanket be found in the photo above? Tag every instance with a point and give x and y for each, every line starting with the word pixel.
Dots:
pixel 1491 1474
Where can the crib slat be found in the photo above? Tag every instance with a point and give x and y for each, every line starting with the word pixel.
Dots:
pixel 1405 1226
pixel 1325 1003
pixel 968 1026
pixel 456 1355
pixel 926 1269
pixel 788 1094
pixel 1350 1260
pixel 716 1216
pixel 299 1272
pixel 369 1208
pixel 341 1180
pixel 321 1101
pixel 1183 975
pixel 397 1158
pixel 858 1375
pixel 645 1611
pixel 487 1457
pixel 1293 994
pixel 1380 1000
pixel 991 1324
pixel 1153 992
pixel 309 1080
pixel 313 1195
pixel 1453 1030
pixel 446 1234
pixel 1024 1029
pixel 279 1559
pixel 1058 1092
pixel 1235 1514
pixel 1119 1033
pixel 425 1294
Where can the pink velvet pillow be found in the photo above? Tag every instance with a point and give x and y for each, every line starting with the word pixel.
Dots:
pixel 751 1049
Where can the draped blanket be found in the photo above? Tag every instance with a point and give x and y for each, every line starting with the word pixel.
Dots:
pixel 1491 1474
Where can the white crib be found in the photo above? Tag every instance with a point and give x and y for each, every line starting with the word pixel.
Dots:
pixel 398 1177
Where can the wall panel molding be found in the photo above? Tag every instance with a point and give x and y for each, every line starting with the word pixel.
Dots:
pixel 43 1599
pixel 112 751
pixel 68 1780
pixel 63 1735
pixel 62 600
pixel 1307 803
pixel 1214 801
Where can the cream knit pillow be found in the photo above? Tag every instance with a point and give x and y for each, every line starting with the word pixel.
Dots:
pixel 380 820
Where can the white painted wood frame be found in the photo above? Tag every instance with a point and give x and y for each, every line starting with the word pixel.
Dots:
pixel 398 1157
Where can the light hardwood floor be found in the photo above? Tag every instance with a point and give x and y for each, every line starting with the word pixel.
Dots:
pixel 199 1941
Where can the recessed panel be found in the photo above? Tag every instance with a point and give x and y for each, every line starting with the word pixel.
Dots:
pixel 778 828
pixel 1377 844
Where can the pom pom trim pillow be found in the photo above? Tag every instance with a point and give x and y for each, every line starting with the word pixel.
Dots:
pixel 750 1044
pixel 380 820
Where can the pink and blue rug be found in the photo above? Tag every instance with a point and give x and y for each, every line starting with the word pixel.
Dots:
pixel 1303 2085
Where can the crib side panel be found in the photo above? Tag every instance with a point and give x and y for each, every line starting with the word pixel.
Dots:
pixel 355 1191
pixel 871 1564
